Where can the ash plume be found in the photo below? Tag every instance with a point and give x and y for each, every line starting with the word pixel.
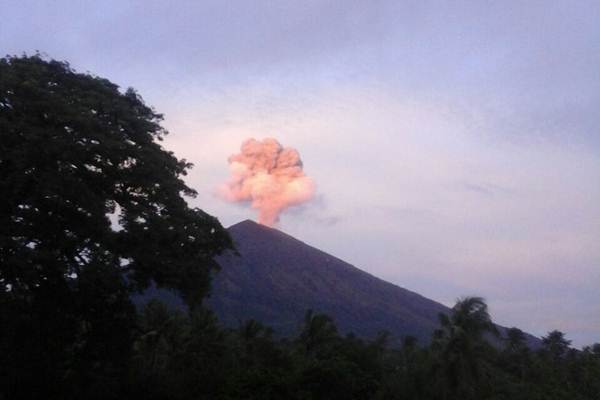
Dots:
pixel 269 177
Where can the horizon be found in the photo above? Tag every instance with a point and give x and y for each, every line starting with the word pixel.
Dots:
pixel 454 149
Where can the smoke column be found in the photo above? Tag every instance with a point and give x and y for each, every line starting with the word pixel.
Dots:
pixel 269 177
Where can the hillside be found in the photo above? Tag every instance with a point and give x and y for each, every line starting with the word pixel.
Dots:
pixel 276 278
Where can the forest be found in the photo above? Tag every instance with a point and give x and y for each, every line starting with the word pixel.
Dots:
pixel 94 211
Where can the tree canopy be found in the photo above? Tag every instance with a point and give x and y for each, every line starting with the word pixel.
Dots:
pixel 92 209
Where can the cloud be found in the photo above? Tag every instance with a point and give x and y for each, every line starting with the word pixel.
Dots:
pixel 269 177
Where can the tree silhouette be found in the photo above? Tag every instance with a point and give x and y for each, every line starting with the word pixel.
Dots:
pixel 318 331
pixel 556 344
pixel 515 339
pixel 91 210
pixel 460 346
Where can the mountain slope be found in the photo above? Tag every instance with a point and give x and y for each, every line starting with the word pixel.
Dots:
pixel 276 278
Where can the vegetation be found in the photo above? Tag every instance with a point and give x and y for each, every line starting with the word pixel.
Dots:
pixel 74 153
pixel 249 363
pixel 92 211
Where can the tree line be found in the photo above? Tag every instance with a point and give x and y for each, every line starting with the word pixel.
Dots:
pixel 183 356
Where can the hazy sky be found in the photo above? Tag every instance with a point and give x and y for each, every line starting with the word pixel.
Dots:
pixel 455 145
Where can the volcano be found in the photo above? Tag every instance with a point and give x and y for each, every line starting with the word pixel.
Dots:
pixel 275 278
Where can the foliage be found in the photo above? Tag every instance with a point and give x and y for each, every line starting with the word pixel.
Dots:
pixel 250 363
pixel 460 349
pixel 74 153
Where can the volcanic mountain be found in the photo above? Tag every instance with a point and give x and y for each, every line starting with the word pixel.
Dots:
pixel 276 278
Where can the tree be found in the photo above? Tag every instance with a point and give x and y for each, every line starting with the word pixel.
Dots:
pixel 460 347
pixel 91 210
pixel 556 344
pixel 317 332
pixel 555 358
pixel 515 340
pixel 162 331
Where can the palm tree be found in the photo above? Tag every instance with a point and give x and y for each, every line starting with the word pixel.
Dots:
pixel 160 331
pixel 318 330
pixel 516 352
pixel 515 340
pixel 556 344
pixel 254 338
pixel 460 348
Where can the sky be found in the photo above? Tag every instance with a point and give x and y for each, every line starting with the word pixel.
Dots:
pixel 455 146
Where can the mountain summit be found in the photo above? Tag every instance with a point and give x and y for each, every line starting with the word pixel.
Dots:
pixel 275 278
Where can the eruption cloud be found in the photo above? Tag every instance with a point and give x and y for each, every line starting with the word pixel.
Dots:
pixel 269 177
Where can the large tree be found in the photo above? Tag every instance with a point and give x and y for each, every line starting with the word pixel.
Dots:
pixel 91 209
